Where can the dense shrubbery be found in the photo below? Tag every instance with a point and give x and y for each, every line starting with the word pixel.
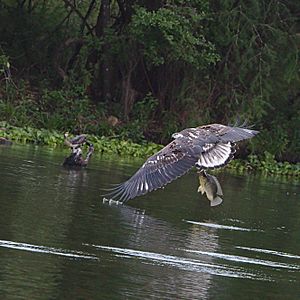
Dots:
pixel 158 66
pixel 54 138
pixel 71 110
pixel 266 164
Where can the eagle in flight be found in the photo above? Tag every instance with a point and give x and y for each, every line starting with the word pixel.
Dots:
pixel 204 147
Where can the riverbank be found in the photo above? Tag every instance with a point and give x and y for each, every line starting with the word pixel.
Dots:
pixel 113 145
pixel 56 139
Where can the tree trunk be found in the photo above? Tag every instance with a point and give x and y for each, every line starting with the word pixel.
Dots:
pixel 102 78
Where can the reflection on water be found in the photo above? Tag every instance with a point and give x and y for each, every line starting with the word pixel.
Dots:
pixel 58 240
pixel 159 244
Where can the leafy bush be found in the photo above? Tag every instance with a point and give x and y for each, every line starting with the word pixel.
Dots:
pixel 173 33
pixel 54 138
pixel 266 164
pixel 63 110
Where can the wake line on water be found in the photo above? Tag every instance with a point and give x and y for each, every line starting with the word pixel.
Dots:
pixel 218 226
pixel 248 260
pixel 181 263
pixel 46 250
pixel 273 252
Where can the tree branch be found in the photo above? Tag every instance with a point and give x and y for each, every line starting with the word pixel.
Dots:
pixel 83 18
pixel 89 11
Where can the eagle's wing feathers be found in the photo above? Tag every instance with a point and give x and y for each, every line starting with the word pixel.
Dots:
pixel 216 155
pixel 160 169
pixel 219 143
pixel 227 133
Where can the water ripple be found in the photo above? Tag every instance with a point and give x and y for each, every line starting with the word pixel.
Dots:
pixel 182 263
pixel 248 260
pixel 44 249
pixel 273 252
pixel 219 226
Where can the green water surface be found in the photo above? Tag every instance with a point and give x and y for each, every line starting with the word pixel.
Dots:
pixel 58 240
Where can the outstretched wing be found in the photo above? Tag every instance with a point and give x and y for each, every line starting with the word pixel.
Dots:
pixel 230 134
pixel 168 164
pixel 218 142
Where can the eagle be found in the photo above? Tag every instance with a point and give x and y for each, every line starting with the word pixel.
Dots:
pixel 204 147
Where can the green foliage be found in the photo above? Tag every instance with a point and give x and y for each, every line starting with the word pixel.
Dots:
pixel 266 164
pixel 158 66
pixel 142 116
pixel 63 110
pixel 144 110
pixel 173 33
pixel 54 138
pixel 32 33
pixel 4 64
pixel 258 73
pixel 31 135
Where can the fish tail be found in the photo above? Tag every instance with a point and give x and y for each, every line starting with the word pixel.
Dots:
pixel 216 201
pixel 200 189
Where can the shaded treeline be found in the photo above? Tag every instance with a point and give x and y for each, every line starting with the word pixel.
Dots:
pixel 157 66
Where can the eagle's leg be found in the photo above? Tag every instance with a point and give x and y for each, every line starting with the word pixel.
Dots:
pixel 199 168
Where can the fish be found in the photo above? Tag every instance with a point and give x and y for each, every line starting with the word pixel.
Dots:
pixel 210 185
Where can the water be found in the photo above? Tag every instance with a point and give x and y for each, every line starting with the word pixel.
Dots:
pixel 59 241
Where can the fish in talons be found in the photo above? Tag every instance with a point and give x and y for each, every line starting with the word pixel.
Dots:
pixel 210 185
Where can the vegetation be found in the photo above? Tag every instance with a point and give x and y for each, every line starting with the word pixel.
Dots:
pixel 266 164
pixel 102 144
pixel 141 70
pixel 54 138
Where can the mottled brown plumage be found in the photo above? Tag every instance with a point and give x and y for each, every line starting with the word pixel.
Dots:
pixel 205 147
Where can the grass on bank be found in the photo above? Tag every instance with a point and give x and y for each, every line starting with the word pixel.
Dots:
pixel 266 164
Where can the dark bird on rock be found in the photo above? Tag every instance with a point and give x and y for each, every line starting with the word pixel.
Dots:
pixel 204 147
